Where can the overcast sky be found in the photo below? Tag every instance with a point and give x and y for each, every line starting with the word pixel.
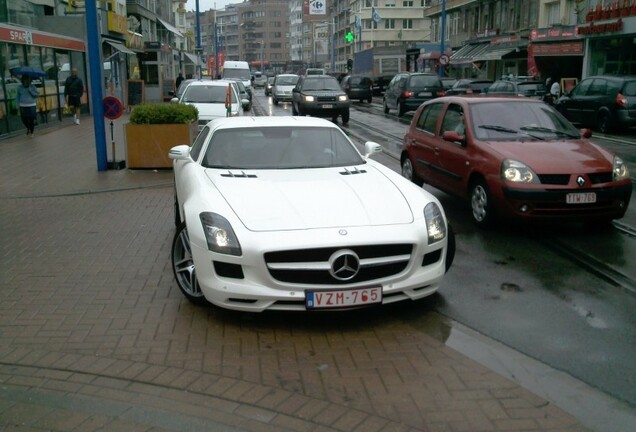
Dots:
pixel 209 4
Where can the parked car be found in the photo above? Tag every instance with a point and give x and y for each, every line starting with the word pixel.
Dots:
pixel 209 99
pixel 514 157
pixel 448 82
pixel 604 102
pixel 468 86
pixel 407 91
pixel 358 87
pixel 268 85
pixel 259 79
pixel 267 220
pixel 246 98
pixel 531 89
pixel 379 84
pixel 282 87
pixel 320 96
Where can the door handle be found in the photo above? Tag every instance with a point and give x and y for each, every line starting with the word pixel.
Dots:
pixel 436 150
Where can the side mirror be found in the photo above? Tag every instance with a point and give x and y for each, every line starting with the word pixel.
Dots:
pixel 174 100
pixel 179 152
pixel 453 136
pixel 371 148
pixel 586 133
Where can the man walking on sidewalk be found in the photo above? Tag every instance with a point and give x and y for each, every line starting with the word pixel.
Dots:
pixel 73 91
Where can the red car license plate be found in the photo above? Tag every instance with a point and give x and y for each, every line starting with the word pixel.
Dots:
pixel 343 298
pixel 580 198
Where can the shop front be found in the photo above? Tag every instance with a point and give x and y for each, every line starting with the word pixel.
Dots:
pixel 490 58
pixel 557 53
pixel 610 45
pixel 53 54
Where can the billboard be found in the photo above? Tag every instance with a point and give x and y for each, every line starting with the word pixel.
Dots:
pixel 315 8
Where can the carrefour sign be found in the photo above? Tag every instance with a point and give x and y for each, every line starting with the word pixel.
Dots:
pixel 317 7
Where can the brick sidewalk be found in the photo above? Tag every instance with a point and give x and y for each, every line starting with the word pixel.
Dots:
pixel 95 335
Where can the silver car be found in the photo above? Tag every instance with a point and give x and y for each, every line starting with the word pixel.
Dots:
pixel 282 87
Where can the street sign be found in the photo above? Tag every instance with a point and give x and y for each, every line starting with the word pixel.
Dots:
pixel 444 60
pixel 113 108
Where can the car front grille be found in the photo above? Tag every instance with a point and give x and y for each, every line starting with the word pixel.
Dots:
pixel 327 99
pixel 605 177
pixel 564 179
pixel 312 266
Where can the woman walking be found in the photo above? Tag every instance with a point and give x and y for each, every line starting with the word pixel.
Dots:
pixel 26 100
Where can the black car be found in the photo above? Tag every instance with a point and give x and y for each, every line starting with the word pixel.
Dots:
pixel 468 86
pixel 605 102
pixel 380 83
pixel 531 89
pixel 320 96
pixel 407 91
pixel 244 94
pixel 358 87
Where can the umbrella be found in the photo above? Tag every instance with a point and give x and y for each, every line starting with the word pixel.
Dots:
pixel 28 71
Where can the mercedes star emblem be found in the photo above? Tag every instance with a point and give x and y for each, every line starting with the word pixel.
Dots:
pixel 344 264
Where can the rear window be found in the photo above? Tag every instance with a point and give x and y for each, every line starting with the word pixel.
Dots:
pixel 629 89
pixel 424 81
pixel 531 88
pixel 360 81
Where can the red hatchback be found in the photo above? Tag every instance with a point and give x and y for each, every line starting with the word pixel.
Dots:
pixel 514 158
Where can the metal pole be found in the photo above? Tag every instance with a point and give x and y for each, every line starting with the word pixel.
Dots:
pixel 216 51
pixel 441 45
pixel 198 35
pixel 95 70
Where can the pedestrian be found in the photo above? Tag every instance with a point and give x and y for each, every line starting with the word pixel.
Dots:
pixel 555 90
pixel 26 97
pixel 73 91
pixel 179 81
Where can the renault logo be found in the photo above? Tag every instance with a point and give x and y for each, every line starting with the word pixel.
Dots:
pixel 580 181
pixel 344 264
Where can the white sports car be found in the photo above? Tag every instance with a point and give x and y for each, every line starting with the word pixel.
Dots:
pixel 284 213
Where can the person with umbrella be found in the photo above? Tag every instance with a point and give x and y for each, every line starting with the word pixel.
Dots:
pixel 26 97
pixel 73 91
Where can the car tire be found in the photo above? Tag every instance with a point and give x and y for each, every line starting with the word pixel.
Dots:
pixel 481 204
pixel 408 171
pixel 183 266
pixel 370 99
pixel 385 107
pixel 294 110
pixel 401 108
pixel 604 122
pixel 345 116
pixel 275 101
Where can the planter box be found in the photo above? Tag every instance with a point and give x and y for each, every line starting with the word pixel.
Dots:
pixel 148 144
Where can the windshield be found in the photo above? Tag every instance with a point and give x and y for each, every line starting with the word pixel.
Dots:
pixel 322 83
pixel 286 80
pixel 519 120
pixel 243 74
pixel 424 81
pixel 206 94
pixel 280 148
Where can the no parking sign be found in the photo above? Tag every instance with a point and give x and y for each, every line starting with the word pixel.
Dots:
pixel 113 108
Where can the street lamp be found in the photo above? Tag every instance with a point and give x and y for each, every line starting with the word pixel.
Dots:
pixel 441 45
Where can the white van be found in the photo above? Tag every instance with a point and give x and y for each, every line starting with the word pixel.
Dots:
pixel 240 70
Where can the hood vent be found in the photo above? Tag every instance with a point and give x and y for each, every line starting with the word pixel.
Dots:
pixel 242 174
pixel 352 172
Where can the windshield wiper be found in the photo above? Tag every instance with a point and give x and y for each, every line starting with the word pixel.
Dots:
pixel 549 130
pixel 508 130
pixel 499 128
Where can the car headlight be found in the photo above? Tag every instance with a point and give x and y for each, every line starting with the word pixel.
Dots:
pixel 342 98
pixel 309 98
pixel 219 234
pixel 517 172
pixel 435 224
pixel 621 172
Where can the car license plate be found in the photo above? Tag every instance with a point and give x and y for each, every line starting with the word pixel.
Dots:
pixel 580 198
pixel 327 106
pixel 425 94
pixel 342 298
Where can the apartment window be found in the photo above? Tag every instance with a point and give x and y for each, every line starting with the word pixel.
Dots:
pixel 369 3
pixel 389 3
pixel 434 30
pixel 389 23
pixel 553 14
pixel 407 24
pixel 407 3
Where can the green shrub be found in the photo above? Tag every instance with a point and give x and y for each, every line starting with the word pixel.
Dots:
pixel 163 113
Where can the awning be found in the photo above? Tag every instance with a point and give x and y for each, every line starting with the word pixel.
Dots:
pixel 118 46
pixel 193 58
pixel 170 27
pixel 50 3
pixel 468 53
pixel 494 54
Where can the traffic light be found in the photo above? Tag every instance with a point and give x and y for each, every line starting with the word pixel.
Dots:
pixel 349 64
pixel 349 37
